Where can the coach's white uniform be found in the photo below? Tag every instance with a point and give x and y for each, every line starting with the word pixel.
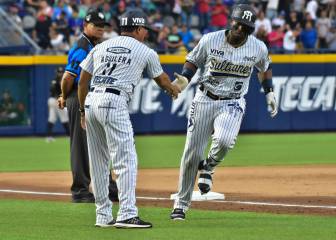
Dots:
pixel 225 73
pixel 116 66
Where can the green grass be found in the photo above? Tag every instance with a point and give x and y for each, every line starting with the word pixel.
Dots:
pixel 33 154
pixel 62 221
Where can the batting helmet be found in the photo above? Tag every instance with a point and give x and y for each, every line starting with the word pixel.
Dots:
pixel 133 18
pixel 244 14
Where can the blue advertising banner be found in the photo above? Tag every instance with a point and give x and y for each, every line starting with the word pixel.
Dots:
pixel 305 94
pixel 305 88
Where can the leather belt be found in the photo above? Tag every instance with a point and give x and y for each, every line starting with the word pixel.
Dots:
pixel 109 90
pixel 213 96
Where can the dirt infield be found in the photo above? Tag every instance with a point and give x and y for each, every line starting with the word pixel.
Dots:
pixel 289 189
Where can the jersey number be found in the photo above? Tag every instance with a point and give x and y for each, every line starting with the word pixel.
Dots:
pixel 238 86
pixel 109 69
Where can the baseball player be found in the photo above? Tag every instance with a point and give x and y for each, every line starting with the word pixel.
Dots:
pixel 94 23
pixel 226 59
pixel 54 112
pixel 115 67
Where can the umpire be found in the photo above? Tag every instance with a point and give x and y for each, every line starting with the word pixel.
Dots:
pixel 94 24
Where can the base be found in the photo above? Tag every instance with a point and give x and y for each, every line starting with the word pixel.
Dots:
pixel 197 196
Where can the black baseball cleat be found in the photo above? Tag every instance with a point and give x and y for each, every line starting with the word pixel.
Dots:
pixel 106 225
pixel 204 178
pixel 83 198
pixel 134 222
pixel 177 214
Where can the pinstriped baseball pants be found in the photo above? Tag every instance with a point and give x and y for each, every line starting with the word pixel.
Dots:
pixel 219 120
pixel 110 137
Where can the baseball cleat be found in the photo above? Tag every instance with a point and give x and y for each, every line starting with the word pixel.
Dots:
pixel 204 178
pixel 134 222
pixel 177 214
pixel 106 225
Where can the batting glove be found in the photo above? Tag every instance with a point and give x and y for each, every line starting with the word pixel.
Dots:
pixel 271 102
pixel 180 81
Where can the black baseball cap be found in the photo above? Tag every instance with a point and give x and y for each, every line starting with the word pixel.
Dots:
pixel 134 17
pixel 97 18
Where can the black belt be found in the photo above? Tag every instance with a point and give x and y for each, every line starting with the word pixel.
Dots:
pixel 213 96
pixel 109 90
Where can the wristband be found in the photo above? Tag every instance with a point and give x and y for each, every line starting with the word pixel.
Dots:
pixel 188 73
pixel 267 85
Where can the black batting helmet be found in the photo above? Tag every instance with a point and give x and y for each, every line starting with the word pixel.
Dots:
pixel 244 14
pixel 133 18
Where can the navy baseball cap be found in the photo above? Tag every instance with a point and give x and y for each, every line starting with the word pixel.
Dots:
pixel 97 18
pixel 134 17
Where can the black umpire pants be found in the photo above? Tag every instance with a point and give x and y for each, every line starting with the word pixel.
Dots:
pixel 78 149
pixel 79 152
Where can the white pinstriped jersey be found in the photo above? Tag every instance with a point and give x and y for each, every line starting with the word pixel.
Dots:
pixel 119 63
pixel 225 70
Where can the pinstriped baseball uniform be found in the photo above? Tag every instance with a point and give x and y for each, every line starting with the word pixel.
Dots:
pixel 116 66
pixel 225 73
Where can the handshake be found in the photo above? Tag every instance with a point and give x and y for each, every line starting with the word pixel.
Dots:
pixel 180 81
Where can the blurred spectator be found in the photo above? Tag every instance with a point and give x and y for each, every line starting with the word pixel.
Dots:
pixel 41 31
pixel 156 20
pixel 219 16
pixel 262 35
pixel 298 6
pixel 110 31
pixel 262 21
pixel 62 8
pixel 107 10
pixel 275 39
pixel 187 8
pixel 32 5
pixel 198 15
pixel 331 38
pixel 289 42
pixel 204 13
pixel 174 40
pixel 162 40
pixel 57 41
pixel 272 9
pixel 309 36
pixel 293 21
pixel 323 24
pixel 45 9
pixel 121 8
pixel 75 22
pixel 83 8
pixel 279 20
pixel 187 37
pixel 62 26
pixel 11 113
pixel 311 8
pixel 13 11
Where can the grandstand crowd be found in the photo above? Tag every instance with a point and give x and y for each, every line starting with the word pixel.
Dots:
pixel 286 26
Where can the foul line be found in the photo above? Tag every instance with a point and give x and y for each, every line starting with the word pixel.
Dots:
pixel 165 199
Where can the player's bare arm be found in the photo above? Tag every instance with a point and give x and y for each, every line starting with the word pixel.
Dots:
pixel 182 80
pixel 66 85
pixel 164 82
pixel 82 92
pixel 265 79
